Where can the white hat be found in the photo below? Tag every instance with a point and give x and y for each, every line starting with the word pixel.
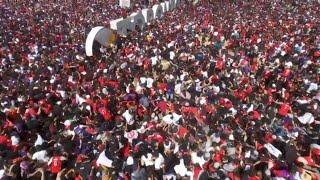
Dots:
pixel 231 137
pixel 104 91
pixel 67 123
pixel 216 165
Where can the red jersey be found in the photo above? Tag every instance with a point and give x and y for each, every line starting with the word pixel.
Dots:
pixel 219 64
pixel 284 109
pixel 56 164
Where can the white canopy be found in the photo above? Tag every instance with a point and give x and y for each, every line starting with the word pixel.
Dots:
pixel 169 5
pixel 101 34
pixel 177 2
pixel 164 7
pixel 120 25
pixel 137 19
pixel 147 14
pixel 157 11
pixel 125 3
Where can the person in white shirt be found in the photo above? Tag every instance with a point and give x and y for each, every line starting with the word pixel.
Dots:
pixel 41 156
pixel 154 60
pixel 171 118
pixel 181 169
pixel 196 159
pixel 148 162
pixel 15 140
pixel 129 118
pixel 172 55
pixel 143 80
pixel 39 140
pixel 178 88
pixel 149 82
pixel 104 160
pixel 159 161
pixel 2 173
pixel 158 165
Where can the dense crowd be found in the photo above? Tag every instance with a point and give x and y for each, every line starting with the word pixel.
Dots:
pixel 220 90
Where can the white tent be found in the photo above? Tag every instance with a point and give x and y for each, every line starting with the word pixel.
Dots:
pixel 173 4
pixel 164 7
pixel 157 11
pixel 169 5
pixel 125 3
pixel 147 14
pixel 195 2
pixel 120 25
pixel 177 2
pixel 137 19
pixel 101 34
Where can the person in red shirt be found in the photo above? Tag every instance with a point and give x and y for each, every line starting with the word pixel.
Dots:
pixel 105 113
pixel 220 64
pixel 55 163
pixel 284 109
